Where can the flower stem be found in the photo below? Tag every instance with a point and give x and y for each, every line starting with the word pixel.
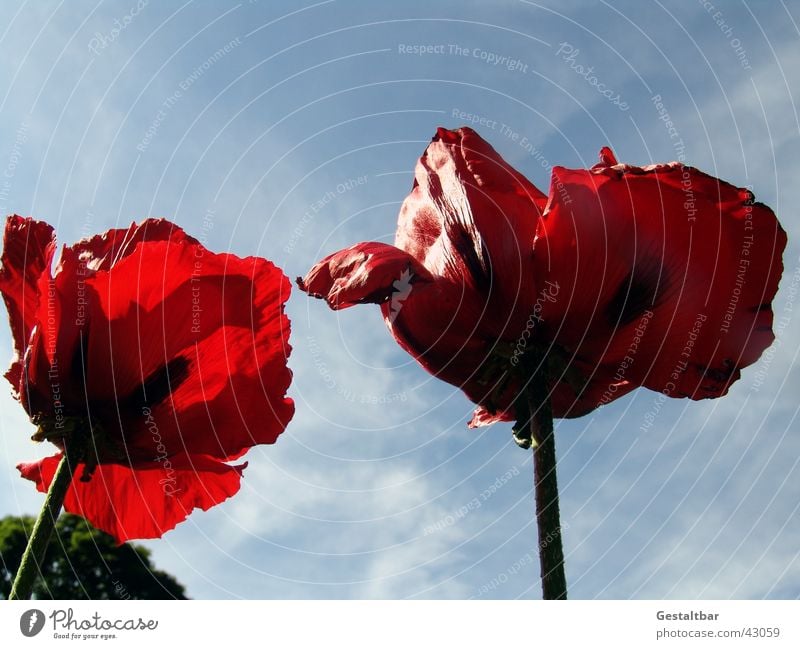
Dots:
pixel 535 411
pixel 30 566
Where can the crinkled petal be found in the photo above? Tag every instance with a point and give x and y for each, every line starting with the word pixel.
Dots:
pixel 665 272
pixel 57 352
pixel 366 272
pixel 482 417
pixel 198 342
pixel 471 218
pixel 146 501
pixel 28 248
pixel 103 251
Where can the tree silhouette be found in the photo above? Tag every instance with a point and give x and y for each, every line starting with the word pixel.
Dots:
pixel 82 562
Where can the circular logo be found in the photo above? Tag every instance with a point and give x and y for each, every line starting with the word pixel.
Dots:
pixel 31 622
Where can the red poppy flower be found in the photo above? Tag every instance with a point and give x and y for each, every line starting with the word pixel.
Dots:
pixel 171 357
pixel 659 276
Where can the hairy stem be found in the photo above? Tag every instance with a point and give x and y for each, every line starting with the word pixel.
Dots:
pixel 30 566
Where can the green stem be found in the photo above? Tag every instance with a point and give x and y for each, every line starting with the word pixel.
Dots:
pixel 30 566
pixel 536 412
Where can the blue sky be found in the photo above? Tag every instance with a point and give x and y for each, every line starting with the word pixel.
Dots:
pixel 290 130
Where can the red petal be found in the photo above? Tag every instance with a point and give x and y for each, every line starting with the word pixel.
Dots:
pixel 670 241
pixel 69 305
pixel 482 417
pixel 607 158
pixel 366 272
pixel 102 251
pixel 28 248
pixel 206 336
pixel 144 502
pixel 471 218
pixel 234 394
pixel 435 320
pixel 439 324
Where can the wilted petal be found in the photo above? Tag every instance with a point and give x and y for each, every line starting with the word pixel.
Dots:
pixel 365 272
pixel 470 219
